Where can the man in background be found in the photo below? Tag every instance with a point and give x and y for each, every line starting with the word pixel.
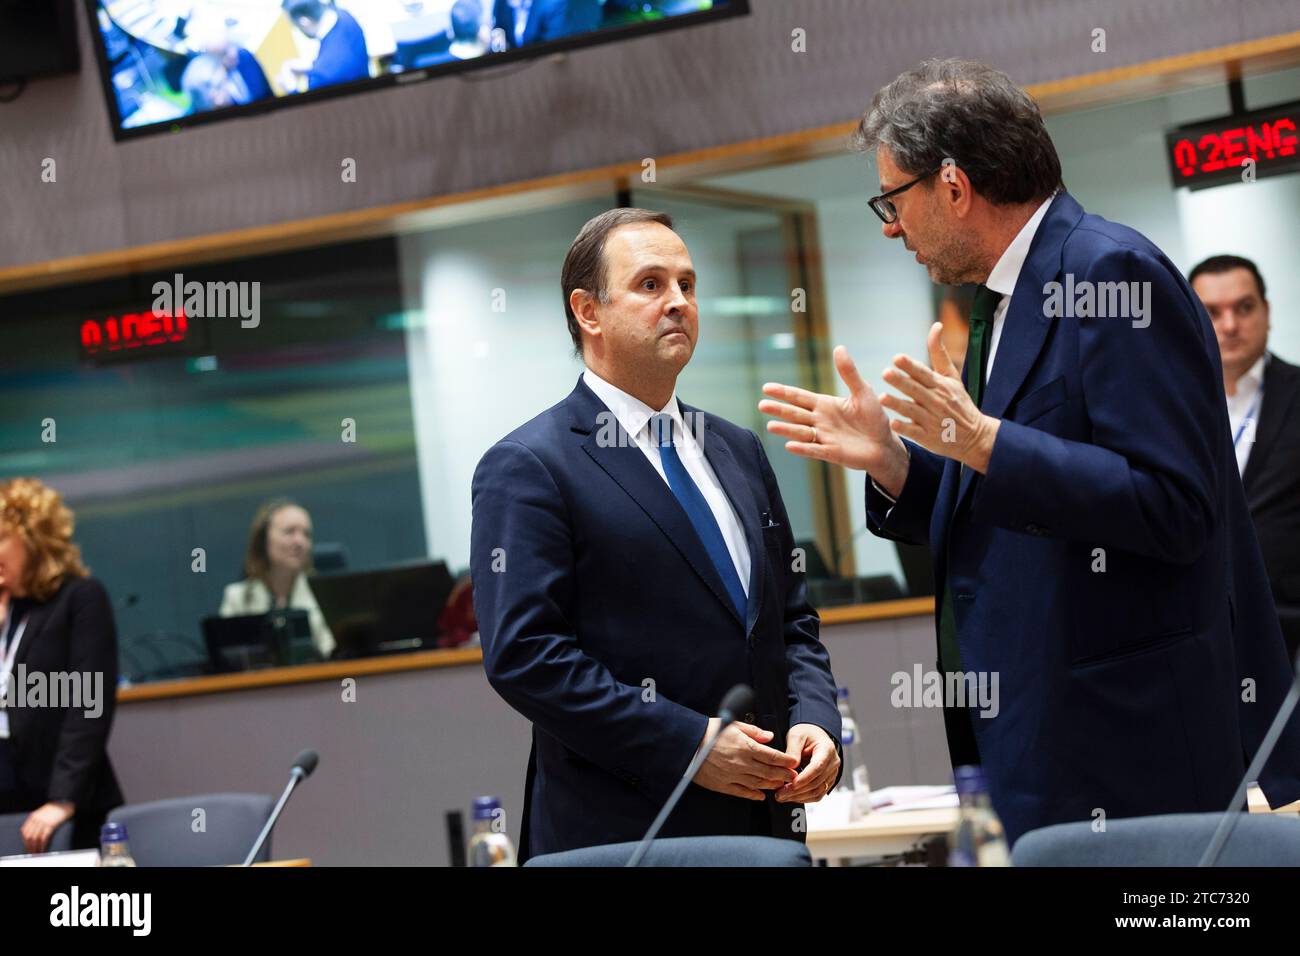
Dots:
pixel 222 73
pixel 342 56
pixel 1263 394
pixel 526 22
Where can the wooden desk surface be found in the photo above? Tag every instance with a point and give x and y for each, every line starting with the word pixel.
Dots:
pixel 886 834
pixel 301 861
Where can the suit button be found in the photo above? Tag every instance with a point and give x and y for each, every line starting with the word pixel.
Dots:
pixel 749 717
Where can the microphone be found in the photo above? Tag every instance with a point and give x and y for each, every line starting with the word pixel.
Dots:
pixel 302 768
pixel 738 700
pixel 1228 823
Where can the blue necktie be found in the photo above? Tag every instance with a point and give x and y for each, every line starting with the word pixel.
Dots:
pixel 697 509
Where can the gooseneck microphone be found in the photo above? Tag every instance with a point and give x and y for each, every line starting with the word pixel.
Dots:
pixel 302 768
pixel 737 701
pixel 1228 822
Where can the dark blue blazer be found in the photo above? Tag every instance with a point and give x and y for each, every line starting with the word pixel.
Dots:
pixel 342 57
pixel 253 76
pixel 604 622
pixel 1121 690
pixel 548 20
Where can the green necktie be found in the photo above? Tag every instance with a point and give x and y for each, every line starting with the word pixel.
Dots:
pixel 977 360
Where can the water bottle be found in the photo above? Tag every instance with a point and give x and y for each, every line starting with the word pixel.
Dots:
pixel 489 845
pixel 979 839
pixel 113 848
pixel 854 776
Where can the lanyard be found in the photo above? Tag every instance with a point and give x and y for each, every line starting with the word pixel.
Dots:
pixel 8 651
pixel 1250 414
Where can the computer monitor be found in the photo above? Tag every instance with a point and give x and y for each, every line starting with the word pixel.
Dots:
pixel 253 641
pixel 386 610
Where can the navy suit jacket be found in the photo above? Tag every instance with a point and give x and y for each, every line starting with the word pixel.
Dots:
pixel 604 622
pixel 1272 482
pixel 1121 690
pixel 548 20
pixel 342 57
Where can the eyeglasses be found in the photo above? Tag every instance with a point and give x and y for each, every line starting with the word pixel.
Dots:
pixel 881 205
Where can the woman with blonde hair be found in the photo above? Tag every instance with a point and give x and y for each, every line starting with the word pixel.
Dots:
pixel 275 570
pixel 55 619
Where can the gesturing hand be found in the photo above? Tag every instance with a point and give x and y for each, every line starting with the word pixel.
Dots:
pixel 940 415
pixel 851 430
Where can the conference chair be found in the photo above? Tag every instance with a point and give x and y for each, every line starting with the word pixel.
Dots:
pixel 11 838
pixel 687 851
pixel 1175 839
pixel 172 832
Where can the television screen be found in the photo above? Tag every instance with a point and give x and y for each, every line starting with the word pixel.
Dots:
pixel 173 63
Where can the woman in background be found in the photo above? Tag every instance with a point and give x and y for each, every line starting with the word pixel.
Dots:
pixel 54 619
pixel 275 570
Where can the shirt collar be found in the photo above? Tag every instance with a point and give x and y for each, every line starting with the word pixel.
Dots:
pixel 631 412
pixel 1002 279
pixel 1255 374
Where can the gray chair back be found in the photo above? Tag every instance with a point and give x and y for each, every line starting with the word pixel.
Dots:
pixel 172 832
pixel 1174 839
pixel 11 837
pixel 687 851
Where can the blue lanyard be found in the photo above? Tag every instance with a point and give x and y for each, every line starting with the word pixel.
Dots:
pixel 1241 429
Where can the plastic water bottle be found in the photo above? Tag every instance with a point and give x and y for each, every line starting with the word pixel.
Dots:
pixel 979 839
pixel 489 844
pixel 113 848
pixel 854 776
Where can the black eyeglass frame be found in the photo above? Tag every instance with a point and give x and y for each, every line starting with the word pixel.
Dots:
pixel 885 209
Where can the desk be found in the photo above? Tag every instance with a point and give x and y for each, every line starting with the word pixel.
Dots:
pixel 880 834
pixel 890 834
pixel 301 861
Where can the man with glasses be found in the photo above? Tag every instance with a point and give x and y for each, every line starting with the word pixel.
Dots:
pixel 1076 485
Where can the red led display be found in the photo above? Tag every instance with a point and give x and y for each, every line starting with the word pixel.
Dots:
pixel 140 331
pixel 1218 151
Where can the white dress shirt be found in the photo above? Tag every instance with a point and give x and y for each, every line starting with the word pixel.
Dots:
pixel 634 415
pixel 1005 273
pixel 1245 403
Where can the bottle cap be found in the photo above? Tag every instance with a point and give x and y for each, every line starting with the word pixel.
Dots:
pixel 112 833
pixel 485 807
pixel 970 779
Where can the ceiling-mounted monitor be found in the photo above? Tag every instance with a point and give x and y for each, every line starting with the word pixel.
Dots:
pixel 168 64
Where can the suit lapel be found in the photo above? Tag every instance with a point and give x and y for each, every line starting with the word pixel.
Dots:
pixel 1025 326
pixel 35 620
pixel 610 447
pixel 1279 396
pixel 740 493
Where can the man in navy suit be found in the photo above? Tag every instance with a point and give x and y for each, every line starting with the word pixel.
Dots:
pixel 632 561
pixel 341 57
pixel 528 22
pixel 1077 487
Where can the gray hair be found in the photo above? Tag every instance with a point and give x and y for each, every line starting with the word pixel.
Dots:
pixel 972 114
